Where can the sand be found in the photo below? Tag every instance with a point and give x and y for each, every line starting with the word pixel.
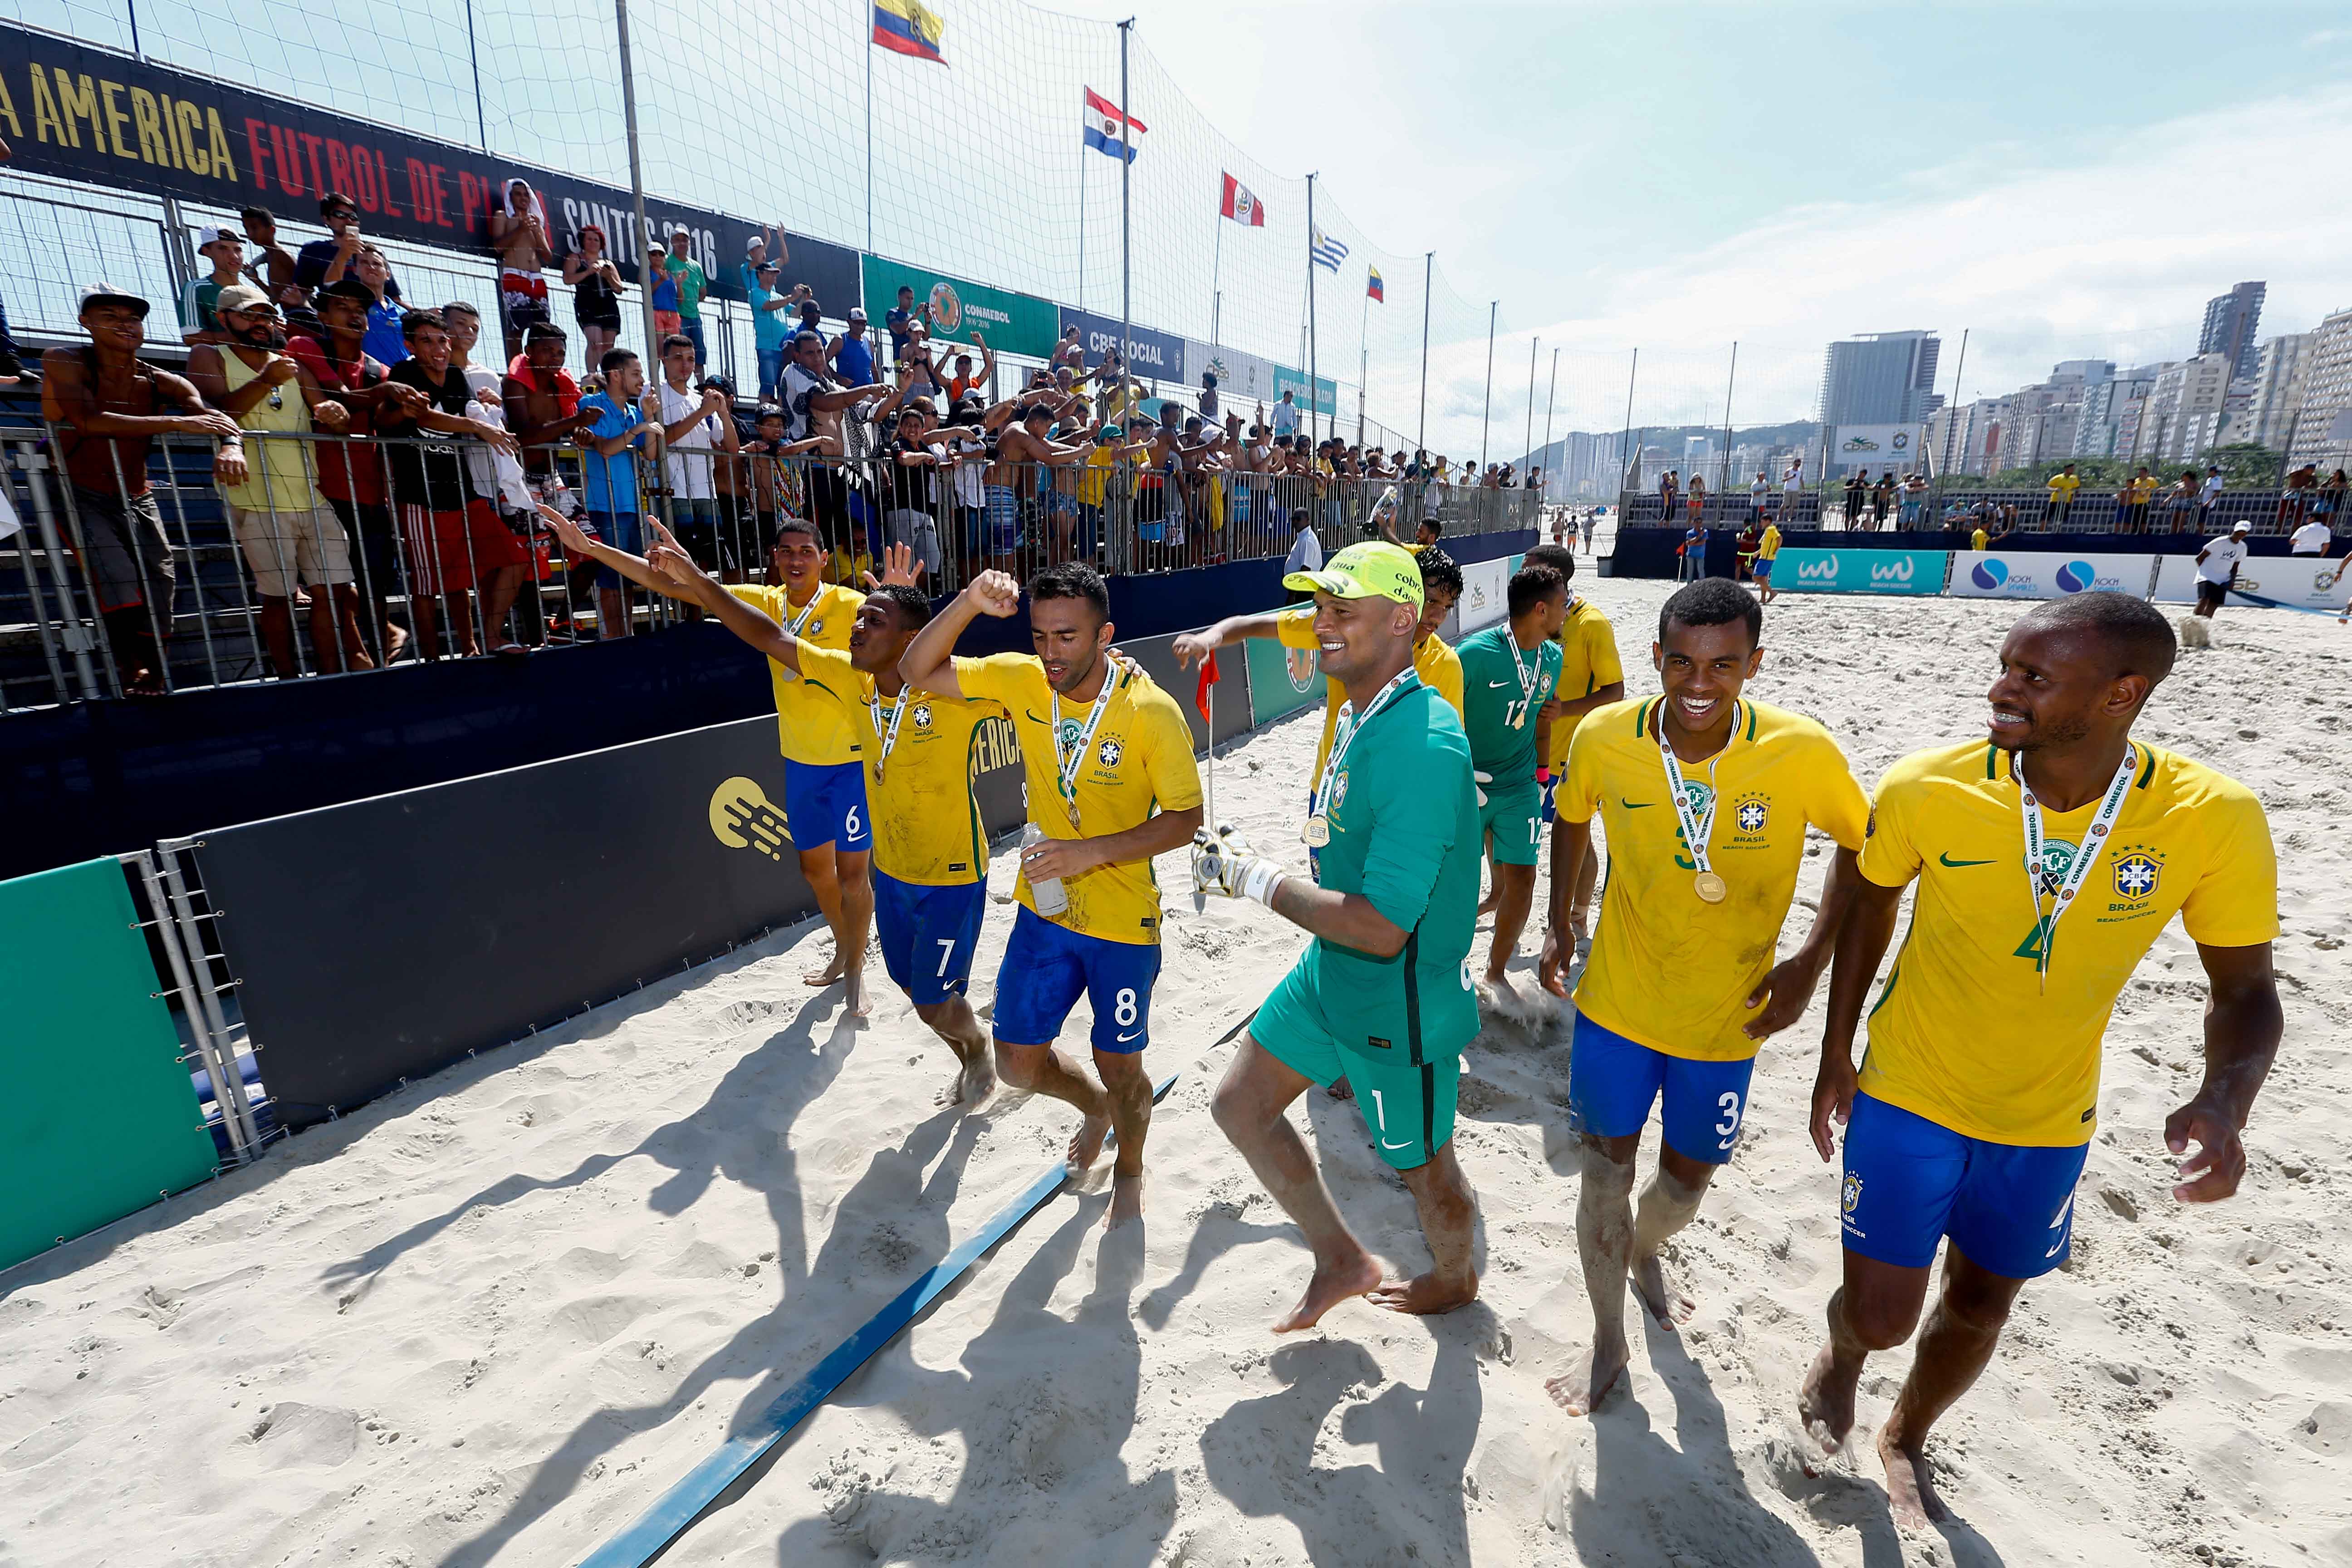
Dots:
pixel 488 1319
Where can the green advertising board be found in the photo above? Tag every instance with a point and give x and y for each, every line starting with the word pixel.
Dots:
pixel 1281 680
pixel 106 1122
pixel 1807 571
pixel 1013 323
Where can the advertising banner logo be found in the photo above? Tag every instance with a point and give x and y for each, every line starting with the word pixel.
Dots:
pixel 2031 575
pixel 1809 570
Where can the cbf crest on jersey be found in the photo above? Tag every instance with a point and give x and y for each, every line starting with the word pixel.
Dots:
pixel 1751 814
pixel 2136 874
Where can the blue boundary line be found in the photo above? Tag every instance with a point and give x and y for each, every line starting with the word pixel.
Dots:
pixel 679 1507
pixel 2280 605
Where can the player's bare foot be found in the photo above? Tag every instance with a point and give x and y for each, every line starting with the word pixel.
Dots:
pixel 1581 1392
pixel 1666 1303
pixel 1825 1403
pixel 1126 1199
pixel 820 978
pixel 1087 1143
pixel 1910 1490
pixel 1342 1089
pixel 855 1004
pixel 1332 1284
pixel 1425 1295
pixel 975 1081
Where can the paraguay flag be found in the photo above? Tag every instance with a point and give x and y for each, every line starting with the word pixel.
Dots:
pixel 1372 285
pixel 1103 122
pixel 909 27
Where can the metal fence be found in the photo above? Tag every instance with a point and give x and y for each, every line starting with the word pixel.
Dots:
pixel 139 573
pixel 2168 510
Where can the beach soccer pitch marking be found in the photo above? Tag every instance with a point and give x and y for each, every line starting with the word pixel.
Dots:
pixel 678 1508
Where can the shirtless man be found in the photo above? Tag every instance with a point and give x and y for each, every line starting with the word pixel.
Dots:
pixel 1028 439
pixel 519 234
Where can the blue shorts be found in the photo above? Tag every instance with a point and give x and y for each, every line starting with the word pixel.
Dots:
pixel 1047 968
pixel 1909 1182
pixel 1004 519
pixel 1612 1082
pixel 1550 788
pixel 827 804
pixel 622 530
pixel 1761 570
pixel 928 935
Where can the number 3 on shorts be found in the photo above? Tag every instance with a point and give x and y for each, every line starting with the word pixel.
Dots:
pixel 1728 1130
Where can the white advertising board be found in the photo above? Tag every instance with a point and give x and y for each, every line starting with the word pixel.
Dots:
pixel 2046 575
pixel 2302 581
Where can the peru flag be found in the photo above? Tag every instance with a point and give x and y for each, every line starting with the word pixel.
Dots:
pixel 1241 205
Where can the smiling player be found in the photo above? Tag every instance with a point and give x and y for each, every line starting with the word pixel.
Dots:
pixel 1977 1102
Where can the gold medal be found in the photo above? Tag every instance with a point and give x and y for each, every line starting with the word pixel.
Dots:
pixel 1710 887
pixel 1316 833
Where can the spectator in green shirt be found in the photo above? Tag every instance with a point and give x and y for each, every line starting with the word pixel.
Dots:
pixel 224 249
pixel 691 282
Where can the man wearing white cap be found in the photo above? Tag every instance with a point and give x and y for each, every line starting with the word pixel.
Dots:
pixel 2217 567
pixel 199 312
pixel 852 353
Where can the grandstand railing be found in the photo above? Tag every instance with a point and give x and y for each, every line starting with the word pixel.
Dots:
pixel 2271 511
pixel 213 627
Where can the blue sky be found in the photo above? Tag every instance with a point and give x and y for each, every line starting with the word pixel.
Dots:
pixel 2067 180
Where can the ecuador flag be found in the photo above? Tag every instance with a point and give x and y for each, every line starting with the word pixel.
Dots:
pixel 909 27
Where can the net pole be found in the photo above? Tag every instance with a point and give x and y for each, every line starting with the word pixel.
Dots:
pixel 636 184
pixel 1627 434
pixel 1082 226
pixel 1364 361
pixel 1551 404
pixel 1216 286
pixel 1310 305
pixel 1535 347
pixel 869 141
pixel 1951 430
pixel 474 59
pixel 1428 283
pixel 1723 473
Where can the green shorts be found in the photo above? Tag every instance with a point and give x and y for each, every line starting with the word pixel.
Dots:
pixel 1408 1106
pixel 1514 816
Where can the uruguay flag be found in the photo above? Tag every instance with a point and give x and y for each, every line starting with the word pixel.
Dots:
pixel 1103 123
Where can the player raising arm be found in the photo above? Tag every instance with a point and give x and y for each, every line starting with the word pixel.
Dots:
pixel 931 852
pixel 1111 782
pixel 1383 993
pixel 1973 1111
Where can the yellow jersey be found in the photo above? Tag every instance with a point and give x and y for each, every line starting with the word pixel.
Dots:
pixel 1669 970
pixel 1768 547
pixel 924 820
pixel 1439 666
pixel 814 721
pixel 1590 644
pixel 2063 485
pixel 1964 1033
pixel 1140 757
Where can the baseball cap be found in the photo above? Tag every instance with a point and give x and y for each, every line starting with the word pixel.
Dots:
pixel 754 243
pixel 244 297
pixel 349 288
pixel 107 294
pixel 209 235
pixel 2241 526
pixel 856 312
pixel 1374 570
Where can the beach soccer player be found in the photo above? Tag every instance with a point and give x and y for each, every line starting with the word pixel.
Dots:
pixel 1508 674
pixel 1969 1120
pixel 1706 795
pixel 1590 676
pixel 931 852
pixel 1111 782
pixel 1382 995
pixel 825 776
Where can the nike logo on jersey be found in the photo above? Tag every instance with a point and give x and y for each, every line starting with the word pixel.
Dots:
pixel 1945 860
pixel 1635 804
pixel 1497 685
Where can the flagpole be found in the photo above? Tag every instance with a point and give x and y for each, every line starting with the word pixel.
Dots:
pixel 1551 402
pixel 1428 283
pixel 870 125
pixel 1533 348
pixel 1486 418
pixel 1310 306
pixel 1126 237
pixel 636 181
pixel 1216 269
pixel 1363 357
pixel 1082 224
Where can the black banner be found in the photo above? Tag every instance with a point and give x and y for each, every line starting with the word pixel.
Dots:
pixel 381 940
pixel 74 113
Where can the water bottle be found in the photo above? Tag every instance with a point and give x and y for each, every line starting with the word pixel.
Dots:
pixel 1051 901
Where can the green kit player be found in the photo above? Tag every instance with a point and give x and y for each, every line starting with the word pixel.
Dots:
pixel 1383 994
pixel 1508 674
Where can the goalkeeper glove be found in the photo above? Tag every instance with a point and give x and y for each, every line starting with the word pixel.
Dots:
pixel 1223 862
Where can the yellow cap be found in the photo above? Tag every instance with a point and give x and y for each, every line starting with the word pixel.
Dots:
pixel 1374 570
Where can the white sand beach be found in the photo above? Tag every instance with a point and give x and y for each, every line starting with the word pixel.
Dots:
pixel 490 1318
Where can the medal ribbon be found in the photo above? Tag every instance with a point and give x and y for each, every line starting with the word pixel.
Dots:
pixel 793 623
pixel 1696 831
pixel 1069 761
pixel 1530 675
pixel 889 732
pixel 2095 843
pixel 1350 727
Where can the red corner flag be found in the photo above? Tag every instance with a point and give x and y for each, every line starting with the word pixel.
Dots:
pixel 1200 692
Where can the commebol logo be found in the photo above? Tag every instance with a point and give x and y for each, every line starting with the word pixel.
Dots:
pixel 947 311
pixel 1299 665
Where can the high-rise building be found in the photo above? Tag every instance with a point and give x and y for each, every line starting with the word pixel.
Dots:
pixel 1880 378
pixel 2184 407
pixel 2321 430
pixel 2109 419
pixel 2231 323
pixel 2277 392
